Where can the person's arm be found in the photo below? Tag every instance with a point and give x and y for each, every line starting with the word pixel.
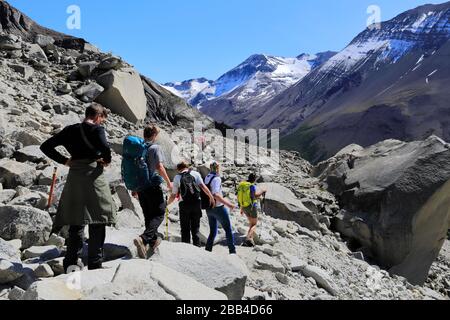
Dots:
pixel 208 193
pixel 224 201
pixel 49 148
pixel 162 171
pixel 171 199
pixel 260 193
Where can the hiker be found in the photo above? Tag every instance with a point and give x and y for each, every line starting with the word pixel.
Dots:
pixel 248 202
pixel 220 212
pixel 152 198
pixel 86 198
pixel 188 185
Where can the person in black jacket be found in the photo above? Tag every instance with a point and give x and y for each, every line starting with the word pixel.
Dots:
pixel 86 198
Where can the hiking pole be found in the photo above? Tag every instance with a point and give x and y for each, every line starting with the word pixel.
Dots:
pixel 167 223
pixel 52 188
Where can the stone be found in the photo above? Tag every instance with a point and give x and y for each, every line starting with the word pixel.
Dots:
pixel 85 69
pixel 33 199
pixel 148 280
pixel 224 274
pixel 282 278
pixel 110 63
pixel 88 47
pixel 29 153
pixel 30 225
pixel 15 174
pixel 295 263
pixel 264 262
pixel 395 195
pixel 128 219
pixel 16 243
pixel 9 42
pixel 281 203
pixel 119 243
pixel 64 88
pixel 321 277
pixel 43 40
pixel 57 266
pixel 125 280
pixel 35 51
pixel 45 177
pixel 16 294
pixel 9 252
pixel 44 252
pixel 358 255
pixel 44 271
pixel 29 138
pixel 90 91
pixel 56 241
pixel 7 195
pixel 124 94
pixel 10 271
pixel 264 236
pixel 26 71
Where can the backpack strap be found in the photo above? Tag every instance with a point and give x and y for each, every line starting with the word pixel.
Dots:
pixel 86 141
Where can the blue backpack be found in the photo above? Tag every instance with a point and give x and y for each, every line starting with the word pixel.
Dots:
pixel 135 170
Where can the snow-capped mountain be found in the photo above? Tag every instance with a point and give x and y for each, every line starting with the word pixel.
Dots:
pixel 193 91
pixel 255 81
pixel 390 82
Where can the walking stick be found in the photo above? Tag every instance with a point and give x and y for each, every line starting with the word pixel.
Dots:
pixel 52 188
pixel 167 223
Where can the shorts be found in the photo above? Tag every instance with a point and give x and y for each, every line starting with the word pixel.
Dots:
pixel 251 211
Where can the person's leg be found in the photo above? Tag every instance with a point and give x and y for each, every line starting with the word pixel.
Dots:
pixel 185 223
pixel 156 206
pixel 253 224
pixel 97 234
pixel 195 216
pixel 212 229
pixel 224 219
pixel 144 202
pixel 74 246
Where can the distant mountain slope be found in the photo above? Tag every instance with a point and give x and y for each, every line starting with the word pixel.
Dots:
pixel 387 83
pixel 255 81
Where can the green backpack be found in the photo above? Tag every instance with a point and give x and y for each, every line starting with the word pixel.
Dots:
pixel 244 196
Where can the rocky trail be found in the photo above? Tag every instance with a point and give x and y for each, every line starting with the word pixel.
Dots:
pixel 326 232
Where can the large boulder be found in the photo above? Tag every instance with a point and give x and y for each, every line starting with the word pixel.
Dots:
pixel 30 225
pixel 225 274
pixel 14 174
pixel 396 197
pixel 29 153
pixel 281 203
pixel 124 94
pixel 124 280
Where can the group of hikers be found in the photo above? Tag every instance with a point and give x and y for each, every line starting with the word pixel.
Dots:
pixel 86 199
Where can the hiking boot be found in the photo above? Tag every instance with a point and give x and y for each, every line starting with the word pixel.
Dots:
pixel 154 247
pixel 248 243
pixel 141 248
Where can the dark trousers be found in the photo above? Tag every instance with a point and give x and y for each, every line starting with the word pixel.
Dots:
pixel 154 207
pixel 97 234
pixel 220 214
pixel 190 215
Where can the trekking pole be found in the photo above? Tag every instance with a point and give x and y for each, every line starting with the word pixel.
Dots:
pixel 52 188
pixel 167 223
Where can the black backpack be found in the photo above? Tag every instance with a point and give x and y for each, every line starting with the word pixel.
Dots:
pixel 189 190
pixel 206 205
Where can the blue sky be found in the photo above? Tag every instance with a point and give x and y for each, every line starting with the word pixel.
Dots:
pixel 173 40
